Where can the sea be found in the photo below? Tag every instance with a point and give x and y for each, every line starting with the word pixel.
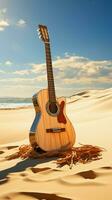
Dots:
pixel 13 103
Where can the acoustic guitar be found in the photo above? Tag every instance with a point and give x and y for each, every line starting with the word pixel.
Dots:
pixel 51 128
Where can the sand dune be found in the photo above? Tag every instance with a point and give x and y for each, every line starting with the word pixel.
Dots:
pixel 91 114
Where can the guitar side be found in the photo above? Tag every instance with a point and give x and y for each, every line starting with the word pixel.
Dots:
pixel 35 122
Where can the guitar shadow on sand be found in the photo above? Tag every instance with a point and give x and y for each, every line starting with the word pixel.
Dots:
pixel 20 167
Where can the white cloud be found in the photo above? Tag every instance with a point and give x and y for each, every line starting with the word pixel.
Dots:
pixel 69 72
pixel 8 63
pixel 3 21
pixel 18 81
pixel 3 11
pixel 75 67
pixel 3 24
pixel 70 68
pixel 22 72
pixel 21 23
pixel 38 68
pixel 41 78
pixel 2 72
pixel 88 80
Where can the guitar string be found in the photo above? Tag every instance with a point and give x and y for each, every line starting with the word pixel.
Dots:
pixel 49 72
pixel 51 87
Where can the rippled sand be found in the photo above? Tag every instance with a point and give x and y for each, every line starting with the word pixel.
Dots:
pixel 91 115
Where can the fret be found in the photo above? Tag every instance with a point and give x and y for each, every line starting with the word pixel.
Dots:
pixel 49 65
pixel 48 53
pixel 50 78
pixel 51 89
pixel 49 68
pixel 48 57
pixel 49 61
pixel 52 95
pixel 50 74
pixel 51 82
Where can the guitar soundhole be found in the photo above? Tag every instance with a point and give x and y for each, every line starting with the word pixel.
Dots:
pixel 52 108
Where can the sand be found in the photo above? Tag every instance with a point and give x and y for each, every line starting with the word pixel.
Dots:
pixel 91 114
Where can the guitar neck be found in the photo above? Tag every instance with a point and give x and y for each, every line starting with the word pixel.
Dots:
pixel 50 78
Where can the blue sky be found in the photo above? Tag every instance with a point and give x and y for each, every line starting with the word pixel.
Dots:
pixel 81 44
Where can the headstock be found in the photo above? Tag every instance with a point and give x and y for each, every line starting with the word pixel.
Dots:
pixel 43 33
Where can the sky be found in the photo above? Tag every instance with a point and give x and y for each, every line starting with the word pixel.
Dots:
pixel 81 44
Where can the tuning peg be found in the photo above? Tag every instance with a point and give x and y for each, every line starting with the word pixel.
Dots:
pixel 38 30
pixel 39 33
pixel 40 37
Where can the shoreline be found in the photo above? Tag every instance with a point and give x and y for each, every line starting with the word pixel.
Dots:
pixel 18 108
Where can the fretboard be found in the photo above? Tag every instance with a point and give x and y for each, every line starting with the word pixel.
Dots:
pixel 50 78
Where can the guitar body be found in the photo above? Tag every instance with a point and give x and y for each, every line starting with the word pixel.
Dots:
pixel 51 131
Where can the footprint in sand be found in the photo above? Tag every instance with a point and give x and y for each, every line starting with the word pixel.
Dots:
pixel 4 181
pixel 43 174
pixel 97 177
pixel 44 170
pixel 32 196
pixel 87 174
pixel 4 149
pixel 33 178
pixel 107 167
pixel 11 147
pixel 37 170
pixel 23 174
pixel 83 178
pixel 1 152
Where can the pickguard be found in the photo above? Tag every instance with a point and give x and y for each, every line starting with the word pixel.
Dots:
pixel 61 118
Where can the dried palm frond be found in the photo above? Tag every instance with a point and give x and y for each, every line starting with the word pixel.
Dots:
pixel 81 154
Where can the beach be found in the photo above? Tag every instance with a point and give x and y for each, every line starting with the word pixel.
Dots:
pixel 90 112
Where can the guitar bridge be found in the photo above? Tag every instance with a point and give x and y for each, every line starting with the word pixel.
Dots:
pixel 55 130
